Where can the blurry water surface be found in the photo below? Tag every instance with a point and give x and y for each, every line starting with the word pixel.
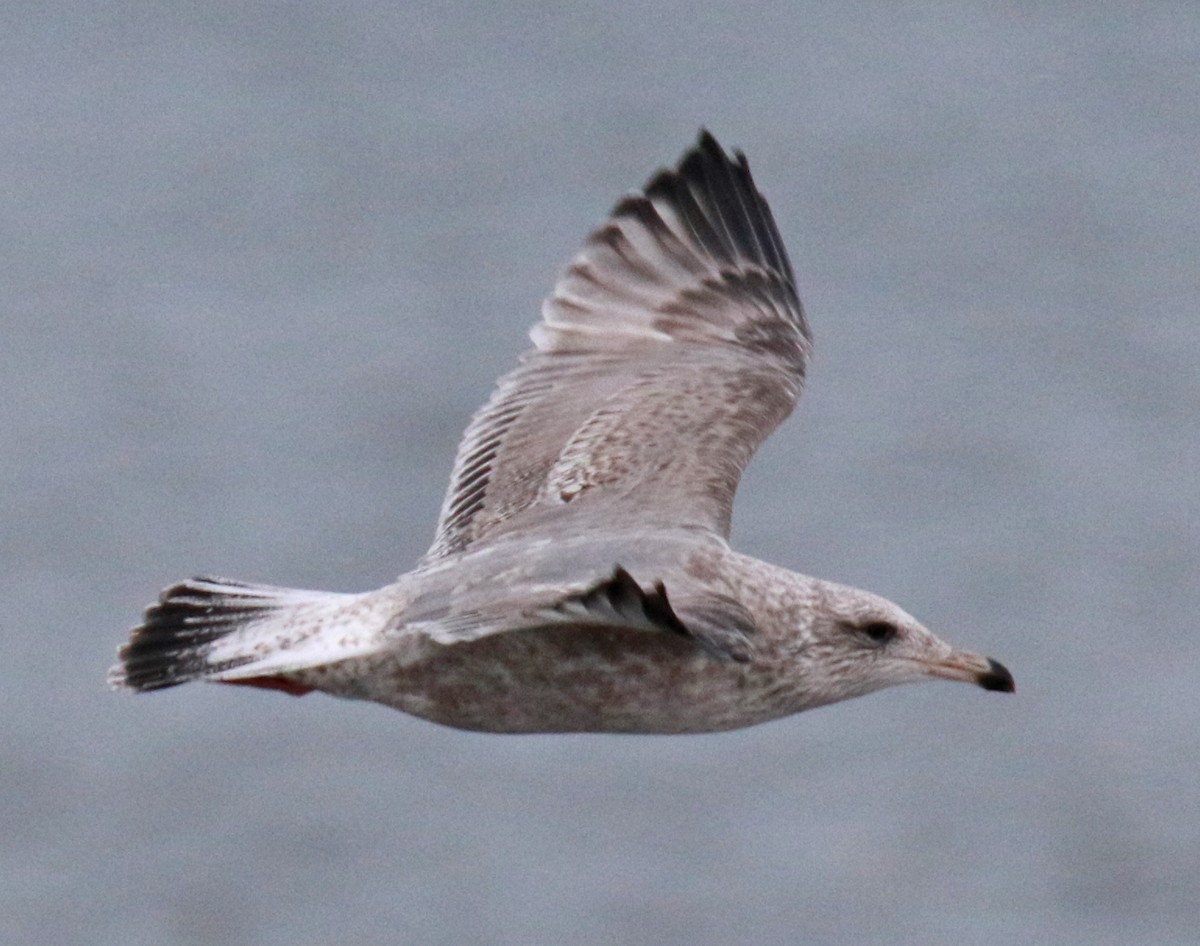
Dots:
pixel 262 261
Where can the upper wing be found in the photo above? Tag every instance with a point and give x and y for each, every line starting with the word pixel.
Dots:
pixel 670 348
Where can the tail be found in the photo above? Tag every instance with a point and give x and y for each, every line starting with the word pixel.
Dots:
pixel 216 629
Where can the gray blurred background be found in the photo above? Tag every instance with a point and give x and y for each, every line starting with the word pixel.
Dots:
pixel 260 263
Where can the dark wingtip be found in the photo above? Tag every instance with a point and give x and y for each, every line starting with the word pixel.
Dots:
pixel 706 141
pixel 997 678
pixel 708 146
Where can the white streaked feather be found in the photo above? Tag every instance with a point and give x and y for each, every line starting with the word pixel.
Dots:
pixel 294 637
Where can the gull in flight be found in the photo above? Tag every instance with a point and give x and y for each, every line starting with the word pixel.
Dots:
pixel 581 578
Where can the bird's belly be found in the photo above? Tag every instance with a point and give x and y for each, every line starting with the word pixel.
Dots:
pixel 569 679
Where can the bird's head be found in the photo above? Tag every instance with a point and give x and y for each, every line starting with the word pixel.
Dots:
pixel 858 642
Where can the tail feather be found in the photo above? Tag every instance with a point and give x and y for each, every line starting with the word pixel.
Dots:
pixel 205 627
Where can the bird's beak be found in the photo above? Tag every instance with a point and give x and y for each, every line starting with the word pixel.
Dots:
pixel 966 667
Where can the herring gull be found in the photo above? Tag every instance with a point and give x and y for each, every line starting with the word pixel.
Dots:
pixel 581 579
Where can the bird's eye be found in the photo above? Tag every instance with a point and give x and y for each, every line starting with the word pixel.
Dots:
pixel 879 632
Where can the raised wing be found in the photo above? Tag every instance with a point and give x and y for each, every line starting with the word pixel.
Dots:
pixel 670 348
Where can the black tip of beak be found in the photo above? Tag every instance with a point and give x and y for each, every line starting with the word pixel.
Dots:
pixel 997 678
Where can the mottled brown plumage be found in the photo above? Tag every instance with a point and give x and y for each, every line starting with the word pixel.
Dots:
pixel 580 578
